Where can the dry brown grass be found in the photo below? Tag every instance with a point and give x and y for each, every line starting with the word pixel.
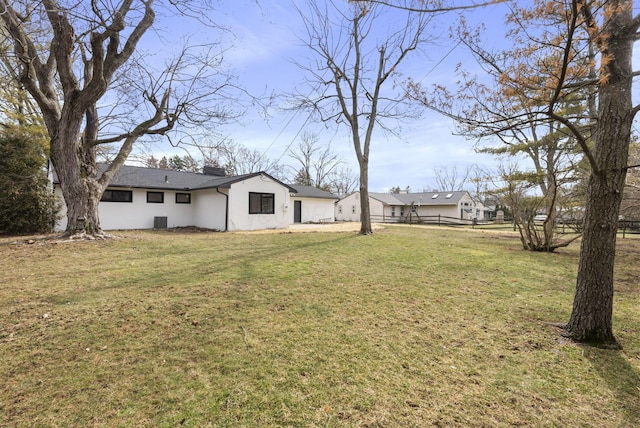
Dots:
pixel 408 327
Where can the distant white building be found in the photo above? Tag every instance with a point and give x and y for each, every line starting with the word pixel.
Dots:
pixel 415 207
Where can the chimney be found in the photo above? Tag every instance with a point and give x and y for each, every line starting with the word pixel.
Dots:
pixel 213 170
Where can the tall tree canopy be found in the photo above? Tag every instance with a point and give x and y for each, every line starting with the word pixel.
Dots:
pixel 563 51
pixel 316 164
pixel 79 62
pixel 26 202
pixel 358 48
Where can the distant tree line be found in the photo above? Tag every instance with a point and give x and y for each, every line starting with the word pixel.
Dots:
pixel 311 163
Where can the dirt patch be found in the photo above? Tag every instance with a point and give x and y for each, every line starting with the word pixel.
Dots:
pixel 350 226
pixel 190 229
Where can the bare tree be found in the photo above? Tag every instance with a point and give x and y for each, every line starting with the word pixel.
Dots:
pixel 238 160
pixel 75 57
pixel 450 178
pixel 506 111
pixel 358 48
pixel 316 163
pixel 343 181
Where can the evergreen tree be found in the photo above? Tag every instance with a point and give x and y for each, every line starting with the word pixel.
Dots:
pixel 27 203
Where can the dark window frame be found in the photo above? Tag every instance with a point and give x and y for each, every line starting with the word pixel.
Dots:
pixel 266 201
pixel 161 201
pixel 183 194
pixel 120 196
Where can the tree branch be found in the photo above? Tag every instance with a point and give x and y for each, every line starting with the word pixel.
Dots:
pixel 431 10
pixel 142 129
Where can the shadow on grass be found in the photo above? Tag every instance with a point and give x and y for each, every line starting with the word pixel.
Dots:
pixel 210 265
pixel 622 379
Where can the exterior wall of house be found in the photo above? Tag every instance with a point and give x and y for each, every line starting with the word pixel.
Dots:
pixel 314 210
pixel 377 210
pixel 348 208
pixel 61 224
pixel 432 211
pixel 481 211
pixel 209 209
pixel 394 213
pixel 239 217
pixel 140 214
pixel 467 207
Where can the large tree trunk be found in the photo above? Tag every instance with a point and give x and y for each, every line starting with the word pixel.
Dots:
pixel 365 209
pixel 591 318
pixel 76 171
pixel 53 72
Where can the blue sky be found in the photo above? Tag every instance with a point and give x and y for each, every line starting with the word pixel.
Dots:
pixel 261 53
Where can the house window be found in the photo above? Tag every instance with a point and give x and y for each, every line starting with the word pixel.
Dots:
pixel 261 203
pixel 393 211
pixel 183 198
pixel 117 196
pixel 155 197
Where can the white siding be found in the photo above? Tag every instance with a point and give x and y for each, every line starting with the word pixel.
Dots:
pixel 61 225
pixel 382 212
pixel 207 209
pixel 239 217
pixel 435 210
pixel 467 207
pixel 376 208
pixel 139 214
pixel 348 208
pixel 314 210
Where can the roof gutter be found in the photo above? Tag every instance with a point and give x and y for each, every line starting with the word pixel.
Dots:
pixel 226 210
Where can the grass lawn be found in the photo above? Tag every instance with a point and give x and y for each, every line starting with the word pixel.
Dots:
pixel 409 327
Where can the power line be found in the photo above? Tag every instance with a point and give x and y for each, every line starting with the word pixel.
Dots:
pixel 431 70
pixel 313 89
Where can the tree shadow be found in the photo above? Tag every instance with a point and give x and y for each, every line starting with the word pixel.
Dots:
pixel 213 264
pixel 622 379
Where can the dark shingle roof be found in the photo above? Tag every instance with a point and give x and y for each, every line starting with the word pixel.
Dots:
pixel 423 198
pixel 312 192
pixel 155 178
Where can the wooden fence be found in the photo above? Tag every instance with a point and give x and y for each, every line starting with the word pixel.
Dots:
pixel 625 227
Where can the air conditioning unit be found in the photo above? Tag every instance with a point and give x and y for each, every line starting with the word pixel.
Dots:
pixel 159 222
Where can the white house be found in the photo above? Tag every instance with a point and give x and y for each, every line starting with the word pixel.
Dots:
pixel 145 198
pixel 415 207
pixel 310 205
